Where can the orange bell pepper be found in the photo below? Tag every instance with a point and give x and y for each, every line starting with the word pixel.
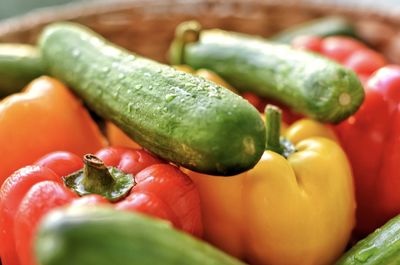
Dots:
pixel 117 137
pixel 46 117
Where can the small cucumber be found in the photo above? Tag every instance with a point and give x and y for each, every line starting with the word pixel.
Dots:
pixel 177 116
pixel 380 247
pixel 104 236
pixel 19 65
pixel 324 27
pixel 306 82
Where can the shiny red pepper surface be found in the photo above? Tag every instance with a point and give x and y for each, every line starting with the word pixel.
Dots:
pixel 371 139
pixel 160 190
pixel 345 50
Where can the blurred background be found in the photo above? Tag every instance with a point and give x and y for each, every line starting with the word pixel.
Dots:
pixel 9 8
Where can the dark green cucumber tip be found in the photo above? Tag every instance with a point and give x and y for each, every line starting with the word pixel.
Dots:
pixel 245 125
pixel 339 104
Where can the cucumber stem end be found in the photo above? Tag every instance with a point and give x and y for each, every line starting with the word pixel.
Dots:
pixel 186 32
pixel 344 99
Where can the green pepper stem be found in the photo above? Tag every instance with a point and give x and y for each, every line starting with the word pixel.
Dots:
pixel 96 176
pixel 186 32
pixel 273 116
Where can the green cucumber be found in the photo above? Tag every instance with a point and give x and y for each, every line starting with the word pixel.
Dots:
pixel 380 247
pixel 323 27
pixel 182 118
pixel 306 82
pixel 103 236
pixel 19 65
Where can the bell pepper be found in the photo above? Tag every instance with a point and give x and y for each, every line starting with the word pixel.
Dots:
pixel 375 126
pixel 296 206
pixel 372 142
pixel 46 117
pixel 117 137
pixel 346 51
pixel 133 180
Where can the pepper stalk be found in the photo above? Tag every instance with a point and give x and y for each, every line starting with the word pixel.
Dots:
pixel 97 178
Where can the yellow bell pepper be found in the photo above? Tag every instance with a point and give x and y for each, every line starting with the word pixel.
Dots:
pixel 306 128
pixel 298 209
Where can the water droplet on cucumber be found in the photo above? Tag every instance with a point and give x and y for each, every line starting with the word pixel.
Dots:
pixel 76 53
pixel 170 97
pixel 130 107
pixel 115 91
pixel 365 254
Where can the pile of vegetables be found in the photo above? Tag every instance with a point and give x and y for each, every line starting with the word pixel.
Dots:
pixel 190 171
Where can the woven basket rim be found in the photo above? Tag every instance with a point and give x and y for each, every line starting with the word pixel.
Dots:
pixel 76 10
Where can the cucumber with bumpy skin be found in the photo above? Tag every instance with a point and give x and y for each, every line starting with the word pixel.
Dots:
pixel 380 247
pixel 177 116
pixel 308 83
pixel 19 65
pixel 323 27
pixel 103 236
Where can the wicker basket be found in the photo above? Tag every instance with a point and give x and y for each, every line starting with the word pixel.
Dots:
pixel 146 26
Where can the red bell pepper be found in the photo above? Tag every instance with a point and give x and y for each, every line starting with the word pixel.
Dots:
pixel 371 136
pixel 134 181
pixel 345 50
pixel 259 103
pixel 371 139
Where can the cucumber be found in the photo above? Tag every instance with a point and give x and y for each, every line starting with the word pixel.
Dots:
pixel 380 247
pixel 324 27
pixel 19 65
pixel 102 235
pixel 306 82
pixel 185 119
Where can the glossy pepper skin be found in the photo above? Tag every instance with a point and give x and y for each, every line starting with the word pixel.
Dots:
pixel 46 117
pixel 161 190
pixel 345 50
pixel 371 139
pixel 284 211
pixel 117 137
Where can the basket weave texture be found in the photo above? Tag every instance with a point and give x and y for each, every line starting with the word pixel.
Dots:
pixel 147 26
